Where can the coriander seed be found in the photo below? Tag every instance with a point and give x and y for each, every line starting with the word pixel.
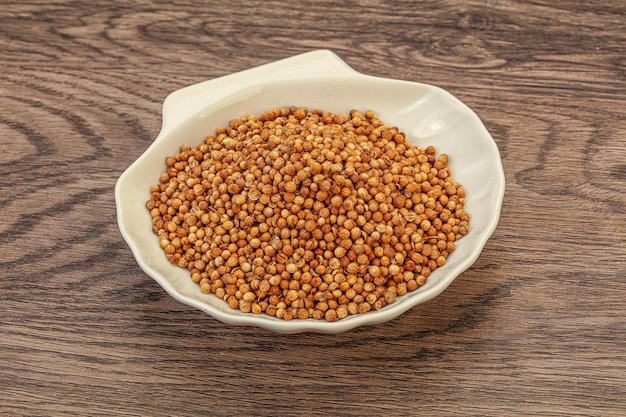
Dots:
pixel 301 214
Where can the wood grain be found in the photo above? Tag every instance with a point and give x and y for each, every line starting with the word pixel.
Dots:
pixel 536 327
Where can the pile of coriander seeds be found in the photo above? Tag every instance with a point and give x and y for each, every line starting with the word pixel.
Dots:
pixel 302 214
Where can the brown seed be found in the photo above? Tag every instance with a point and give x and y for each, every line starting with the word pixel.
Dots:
pixel 292 268
pixel 290 187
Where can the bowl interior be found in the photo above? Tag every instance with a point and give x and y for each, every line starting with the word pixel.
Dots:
pixel 427 114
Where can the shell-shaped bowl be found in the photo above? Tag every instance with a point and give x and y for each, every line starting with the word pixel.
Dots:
pixel 319 79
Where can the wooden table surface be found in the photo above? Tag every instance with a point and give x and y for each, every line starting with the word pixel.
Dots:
pixel 537 326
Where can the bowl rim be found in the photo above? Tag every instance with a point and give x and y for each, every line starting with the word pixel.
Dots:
pixel 322 64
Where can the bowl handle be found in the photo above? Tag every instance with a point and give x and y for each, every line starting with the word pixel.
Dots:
pixel 321 63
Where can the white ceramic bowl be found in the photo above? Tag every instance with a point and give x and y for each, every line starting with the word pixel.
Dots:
pixel 318 79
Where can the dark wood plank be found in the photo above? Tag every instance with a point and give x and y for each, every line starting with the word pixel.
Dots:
pixel 535 327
